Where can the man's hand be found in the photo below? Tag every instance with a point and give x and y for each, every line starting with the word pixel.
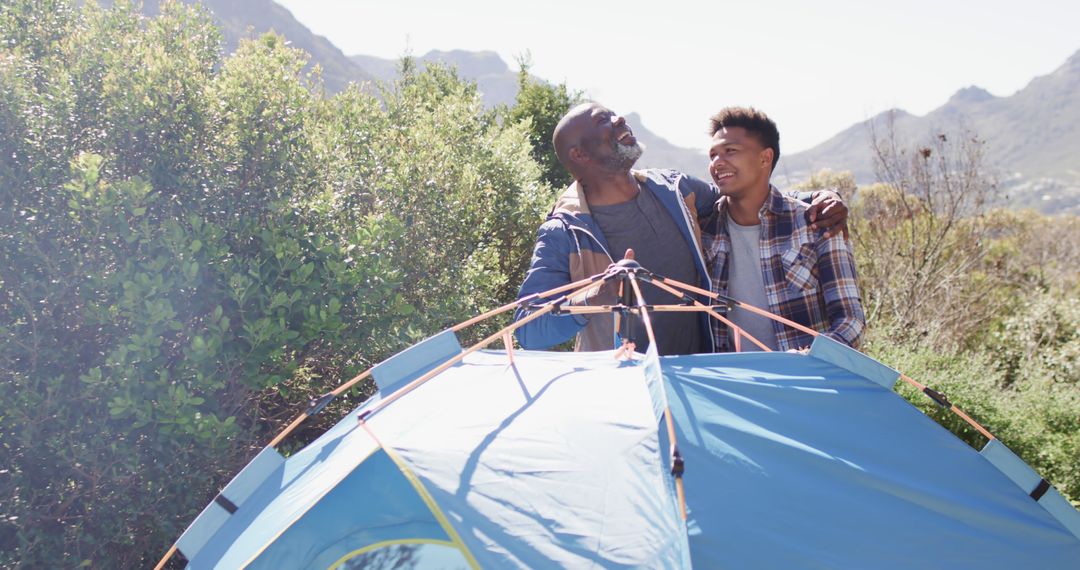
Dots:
pixel 608 292
pixel 828 212
pixel 628 255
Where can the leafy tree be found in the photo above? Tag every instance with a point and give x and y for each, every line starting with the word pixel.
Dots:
pixel 539 106
pixel 463 186
pixel 193 245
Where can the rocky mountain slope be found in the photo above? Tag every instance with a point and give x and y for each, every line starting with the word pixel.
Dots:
pixel 1032 139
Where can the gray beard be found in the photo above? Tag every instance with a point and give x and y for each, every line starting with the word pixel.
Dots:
pixel 623 157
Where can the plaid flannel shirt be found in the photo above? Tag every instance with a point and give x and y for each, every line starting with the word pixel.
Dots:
pixel 808 279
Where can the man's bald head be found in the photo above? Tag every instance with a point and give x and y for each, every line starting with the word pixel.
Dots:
pixel 569 131
pixel 592 140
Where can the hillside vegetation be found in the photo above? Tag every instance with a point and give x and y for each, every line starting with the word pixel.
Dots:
pixel 192 246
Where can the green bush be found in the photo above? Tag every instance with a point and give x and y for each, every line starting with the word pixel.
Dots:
pixel 192 246
pixel 539 107
pixel 463 185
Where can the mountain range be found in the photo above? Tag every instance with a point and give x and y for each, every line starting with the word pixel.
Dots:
pixel 1032 137
pixel 240 19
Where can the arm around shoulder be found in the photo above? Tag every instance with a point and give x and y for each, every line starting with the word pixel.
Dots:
pixel 705 194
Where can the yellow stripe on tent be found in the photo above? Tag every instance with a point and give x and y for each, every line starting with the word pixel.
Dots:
pixel 427 498
pixel 301 514
pixel 381 544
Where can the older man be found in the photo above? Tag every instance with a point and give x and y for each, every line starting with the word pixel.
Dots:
pixel 608 210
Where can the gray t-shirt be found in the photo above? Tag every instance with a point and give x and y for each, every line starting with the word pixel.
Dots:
pixel 746 284
pixel 644 225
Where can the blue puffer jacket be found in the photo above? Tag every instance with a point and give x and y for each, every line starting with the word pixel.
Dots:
pixel 570 247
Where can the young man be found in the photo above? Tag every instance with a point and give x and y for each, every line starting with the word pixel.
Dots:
pixel 761 250
pixel 608 210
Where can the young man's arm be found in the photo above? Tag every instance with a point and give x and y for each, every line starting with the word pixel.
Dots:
pixel 836 276
pixel 827 209
pixel 550 268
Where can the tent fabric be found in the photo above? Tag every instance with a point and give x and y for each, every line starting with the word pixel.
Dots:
pixel 551 462
pixel 562 460
pixel 237 492
pixel 853 361
pixel 284 497
pixel 792 461
pixel 373 504
pixel 415 361
pixel 1028 480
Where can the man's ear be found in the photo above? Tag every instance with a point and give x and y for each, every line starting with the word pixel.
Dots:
pixel 767 157
pixel 578 155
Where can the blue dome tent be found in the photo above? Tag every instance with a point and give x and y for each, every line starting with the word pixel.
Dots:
pixel 477 458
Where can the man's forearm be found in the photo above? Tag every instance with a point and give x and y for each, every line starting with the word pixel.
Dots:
pixel 843 306
pixel 548 330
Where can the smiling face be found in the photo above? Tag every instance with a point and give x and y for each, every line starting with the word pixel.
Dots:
pixel 738 162
pixel 608 140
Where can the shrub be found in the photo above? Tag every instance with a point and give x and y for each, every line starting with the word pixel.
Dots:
pixel 192 246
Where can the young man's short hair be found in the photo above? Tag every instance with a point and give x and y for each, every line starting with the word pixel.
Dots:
pixel 755 123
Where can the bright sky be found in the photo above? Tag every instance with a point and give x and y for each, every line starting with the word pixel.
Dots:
pixel 815 67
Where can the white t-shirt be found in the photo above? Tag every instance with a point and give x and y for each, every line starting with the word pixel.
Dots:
pixel 746 284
